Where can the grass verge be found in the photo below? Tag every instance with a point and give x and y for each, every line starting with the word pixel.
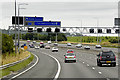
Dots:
pixel 16 67
pixel 13 57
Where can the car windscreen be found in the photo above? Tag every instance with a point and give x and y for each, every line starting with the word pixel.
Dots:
pixel 70 54
pixel 108 54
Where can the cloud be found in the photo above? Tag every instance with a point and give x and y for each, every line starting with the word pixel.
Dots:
pixel 70 13
pixel 60 0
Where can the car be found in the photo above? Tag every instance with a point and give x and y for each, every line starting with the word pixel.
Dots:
pixel 54 49
pixel 97 46
pixel 49 42
pixel 41 42
pixel 22 46
pixel 106 57
pixel 31 45
pixel 79 45
pixel 28 40
pixel 42 46
pixel 37 47
pixel 70 51
pixel 70 57
pixel 47 47
pixel 69 44
pixel 86 47
pixel 55 44
pixel 34 41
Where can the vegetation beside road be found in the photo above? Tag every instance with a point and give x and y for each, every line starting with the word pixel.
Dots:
pixel 13 57
pixel 91 40
pixel 7 43
pixel 43 37
pixel 17 67
pixel 9 56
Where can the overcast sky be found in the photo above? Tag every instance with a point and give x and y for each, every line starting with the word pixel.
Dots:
pixel 69 12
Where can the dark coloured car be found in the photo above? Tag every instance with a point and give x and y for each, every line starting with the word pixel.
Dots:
pixel 106 57
pixel 42 46
pixel 31 46
pixel 22 46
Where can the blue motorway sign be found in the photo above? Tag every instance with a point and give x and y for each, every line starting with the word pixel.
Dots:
pixel 33 18
pixel 47 23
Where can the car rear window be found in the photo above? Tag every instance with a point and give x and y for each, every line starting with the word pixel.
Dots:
pixel 70 54
pixel 108 54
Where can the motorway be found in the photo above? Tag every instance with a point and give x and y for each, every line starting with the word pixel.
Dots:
pixel 84 68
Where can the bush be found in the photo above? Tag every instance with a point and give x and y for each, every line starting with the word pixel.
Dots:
pixel 7 43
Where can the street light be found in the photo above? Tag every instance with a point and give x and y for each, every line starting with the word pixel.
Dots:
pixel 18 22
pixel 81 31
pixel 97 19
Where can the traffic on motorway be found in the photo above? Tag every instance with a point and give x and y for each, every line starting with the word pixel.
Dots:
pixel 76 61
pixel 107 57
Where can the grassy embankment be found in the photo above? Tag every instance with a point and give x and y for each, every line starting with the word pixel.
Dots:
pixel 9 58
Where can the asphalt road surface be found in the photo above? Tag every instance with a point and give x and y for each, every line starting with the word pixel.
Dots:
pixel 85 67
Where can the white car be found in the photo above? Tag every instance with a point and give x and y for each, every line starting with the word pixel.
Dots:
pixel 70 57
pixel 97 46
pixel 54 49
pixel 37 47
pixel 49 42
pixel 34 41
pixel 86 47
pixel 79 45
pixel 47 47
pixel 69 44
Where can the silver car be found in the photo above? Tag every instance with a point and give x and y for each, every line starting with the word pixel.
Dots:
pixel 54 49
pixel 79 45
pixel 97 46
pixel 69 44
pixel 70 57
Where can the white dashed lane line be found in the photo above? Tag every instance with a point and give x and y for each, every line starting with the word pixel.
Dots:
pixel 87 64
pixel 93 68
pixel 100 72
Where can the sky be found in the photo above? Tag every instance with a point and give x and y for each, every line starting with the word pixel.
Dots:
pixel 71 13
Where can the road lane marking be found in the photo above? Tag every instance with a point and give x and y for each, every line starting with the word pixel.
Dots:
pixel 27 69
pixel 107 78
pixel 87 64
pixel 59 67
pixel 93 68
pixel 100 72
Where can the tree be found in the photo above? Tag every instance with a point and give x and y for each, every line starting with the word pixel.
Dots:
pixel 7 43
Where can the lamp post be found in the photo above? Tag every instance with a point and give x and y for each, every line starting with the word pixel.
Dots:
pixel 97 24
pixel 81 32
pixel 18 24
pixel 15 30
pixel 56 37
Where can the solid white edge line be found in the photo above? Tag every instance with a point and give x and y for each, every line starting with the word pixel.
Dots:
pixel 26 69
pixel 59 67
